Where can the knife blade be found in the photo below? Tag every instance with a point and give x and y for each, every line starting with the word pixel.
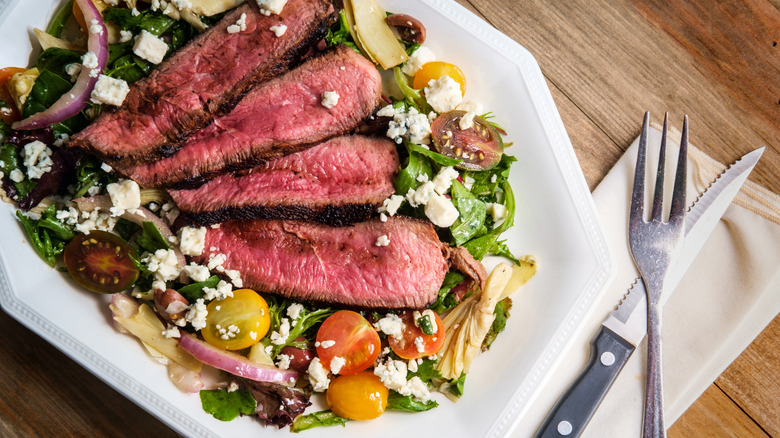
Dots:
pixel 626 326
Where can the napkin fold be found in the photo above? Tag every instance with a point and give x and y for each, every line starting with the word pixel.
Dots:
pixel 725 299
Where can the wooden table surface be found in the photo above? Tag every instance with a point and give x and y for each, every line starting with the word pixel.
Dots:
pixel 606 63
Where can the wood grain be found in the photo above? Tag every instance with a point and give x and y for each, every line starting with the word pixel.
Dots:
pixel 613 63
pixel 753 380
pixel 714 415
pixel 46 394
pixel 606 62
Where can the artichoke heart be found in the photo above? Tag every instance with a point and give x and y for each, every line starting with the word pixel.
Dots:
pixel 467 325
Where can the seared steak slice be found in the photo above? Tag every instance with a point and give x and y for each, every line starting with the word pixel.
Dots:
pixel 339 265
pixel 337 182
pixel 205 78
pixel 276 118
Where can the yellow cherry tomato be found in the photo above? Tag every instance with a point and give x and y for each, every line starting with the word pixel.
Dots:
pixel 359 396
pixel 237 322
pixel 436 69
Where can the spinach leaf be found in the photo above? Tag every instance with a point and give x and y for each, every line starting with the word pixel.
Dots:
pixel 416 165
pixel 316 419
pixel 5 128
pixel 10 156
pixel 126 229
pixel 411 96
pixel 153 22
pixel 338 33
pixel 426 371
pixel 499 324
pixel 195 290
pixel 57 23
pixel 488 243
pixel 398 402
pixel 446 301
pixel 124 64
pixel 55 59
pixel 436 157
pixel 308 318
pixel 88 174
pixel 47 235
pixel 47 89
pixel 456 385
pixel 39 239
pixel 225 405
pixel 472 214
pixel 151 239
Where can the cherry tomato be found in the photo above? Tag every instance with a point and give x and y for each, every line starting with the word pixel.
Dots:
pixel 414 343
pixel 348 336
pixel 8 111
pixel 101 262
pixel 436 69
pixel 360 396
pixel 79 16
pixel 480 146
pixel 237 322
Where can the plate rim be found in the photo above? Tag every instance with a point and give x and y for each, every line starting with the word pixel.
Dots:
pixel 520 402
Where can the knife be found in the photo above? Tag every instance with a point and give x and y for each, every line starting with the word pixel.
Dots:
pixel 625 326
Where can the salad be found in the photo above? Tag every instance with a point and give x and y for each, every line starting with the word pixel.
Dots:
pixel 111 236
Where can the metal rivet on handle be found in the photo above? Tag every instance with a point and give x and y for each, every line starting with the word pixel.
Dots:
pixel 564 428
pixel 607 358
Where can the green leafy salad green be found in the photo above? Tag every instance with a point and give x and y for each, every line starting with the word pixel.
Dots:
pixel 74 211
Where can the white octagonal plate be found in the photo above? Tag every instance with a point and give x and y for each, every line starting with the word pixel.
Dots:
pixel 555 221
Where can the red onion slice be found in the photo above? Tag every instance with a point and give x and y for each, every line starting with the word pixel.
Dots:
pixel 70 103
pixel 234 363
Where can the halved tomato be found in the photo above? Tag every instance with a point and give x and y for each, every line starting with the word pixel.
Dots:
pixel 237 322
pixel 101 262
pixel 350 340
pixel 423 335
pixel 480 146
pixel 434 70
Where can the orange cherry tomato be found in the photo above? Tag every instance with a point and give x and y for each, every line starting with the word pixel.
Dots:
pixel 8 111
pixel 346 335
pixel 360 396
pixel 79 16
pixel 237 322
pixel 436 69
pixel 414 343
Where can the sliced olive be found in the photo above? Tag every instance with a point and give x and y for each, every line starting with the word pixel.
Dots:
pixel 101 262
pixel 479 146
pixel 409 28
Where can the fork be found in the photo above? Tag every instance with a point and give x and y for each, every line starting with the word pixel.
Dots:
pixel 655 244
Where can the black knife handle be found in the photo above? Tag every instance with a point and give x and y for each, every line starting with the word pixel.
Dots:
pixel 609 353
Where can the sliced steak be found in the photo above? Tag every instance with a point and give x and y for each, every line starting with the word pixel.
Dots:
pixel 277 118
pixel 339 265
pixel 337 182
pixel 205 78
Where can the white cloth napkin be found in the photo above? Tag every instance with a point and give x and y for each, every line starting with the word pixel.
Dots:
pixel 726 298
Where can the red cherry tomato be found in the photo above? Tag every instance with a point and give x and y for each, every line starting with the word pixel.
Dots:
pixel 101 262
pixel 349 337
pixel 414 343
pixel 360 396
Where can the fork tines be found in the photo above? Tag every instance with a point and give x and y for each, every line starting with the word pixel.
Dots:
pixel 678 195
